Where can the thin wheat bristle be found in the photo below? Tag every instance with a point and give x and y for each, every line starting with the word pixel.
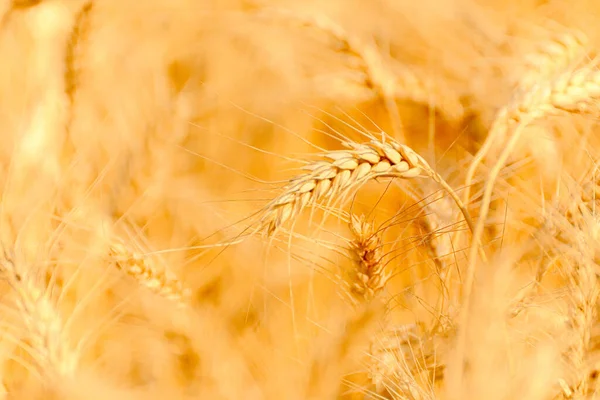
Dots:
pixel 158 280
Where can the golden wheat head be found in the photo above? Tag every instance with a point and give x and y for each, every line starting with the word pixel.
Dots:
pixel 341 172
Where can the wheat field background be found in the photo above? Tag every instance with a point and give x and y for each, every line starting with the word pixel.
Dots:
pixel 317 199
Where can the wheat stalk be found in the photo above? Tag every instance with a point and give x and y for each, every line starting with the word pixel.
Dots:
pixel 345 171
pixel 158 280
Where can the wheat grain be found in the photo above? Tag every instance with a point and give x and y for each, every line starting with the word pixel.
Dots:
pixel 572 91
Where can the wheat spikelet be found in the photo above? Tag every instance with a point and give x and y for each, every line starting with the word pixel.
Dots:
pixel 159 280
pixel 367 276
pixel 567 90
pixel 395 355
pixel 574 91
pixel 364 281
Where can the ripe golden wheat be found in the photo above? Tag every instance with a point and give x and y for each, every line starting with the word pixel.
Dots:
pixel 157 115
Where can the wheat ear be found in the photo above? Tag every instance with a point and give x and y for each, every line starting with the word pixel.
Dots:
pixel 368 275
pixel 44 324
pixel 158 280
pixel 389 367
pixel 572 91
pixel 346 170
pixel 583 232
pixel 562 49
pixel 387 77
pixel 567 89
pixel 399 355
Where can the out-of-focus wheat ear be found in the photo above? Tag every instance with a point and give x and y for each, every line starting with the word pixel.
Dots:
pixel 144 270
pixel 573 91
pixel 388 78
pixel 560 51
pixel 74 48
pixel 43 323
pixel 584 300
pixel 584 294
pixel 367 276
pixel 74 53
pixel 396 356
pixel 556 82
